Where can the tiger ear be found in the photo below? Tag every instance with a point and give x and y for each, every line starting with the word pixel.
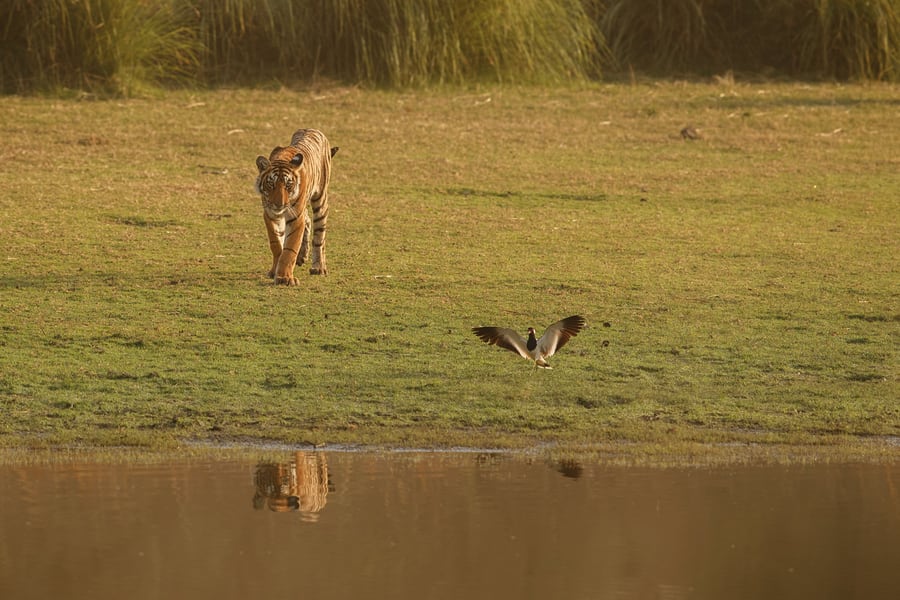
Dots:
pixel 297 160
pixel 262 163
pixel 334 150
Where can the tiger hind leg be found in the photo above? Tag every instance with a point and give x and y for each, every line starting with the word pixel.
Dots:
pixel 303 255
pixel 319 225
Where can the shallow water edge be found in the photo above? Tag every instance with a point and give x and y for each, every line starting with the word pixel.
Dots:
pixel 875 450
pixel 421 524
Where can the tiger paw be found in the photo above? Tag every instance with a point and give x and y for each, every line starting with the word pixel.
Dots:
pixel 290 280
pixel 318 271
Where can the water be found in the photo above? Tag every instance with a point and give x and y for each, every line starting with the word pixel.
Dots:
pixel 422 526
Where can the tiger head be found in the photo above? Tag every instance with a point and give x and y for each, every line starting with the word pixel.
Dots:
pixel 279 184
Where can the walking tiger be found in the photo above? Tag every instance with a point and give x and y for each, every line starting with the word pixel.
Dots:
pixel 292 177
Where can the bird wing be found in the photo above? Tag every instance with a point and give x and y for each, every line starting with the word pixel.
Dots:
pixel 556 336
pixel 503 337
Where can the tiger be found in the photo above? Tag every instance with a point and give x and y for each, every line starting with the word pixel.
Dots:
pixel 301 484
pixel 292 177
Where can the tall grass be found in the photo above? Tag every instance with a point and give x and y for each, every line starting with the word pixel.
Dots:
pixel 244 40
pixel 115 46
pixel 123 46
pixel 842 39
pixel 659 35
pixel 398 42
pixel 852 39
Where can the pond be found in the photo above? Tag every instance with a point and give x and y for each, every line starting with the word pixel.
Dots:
pixel 445 525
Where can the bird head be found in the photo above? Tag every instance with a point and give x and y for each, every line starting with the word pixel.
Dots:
pixel 531 342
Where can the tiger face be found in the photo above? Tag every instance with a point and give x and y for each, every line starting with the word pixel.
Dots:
pixel 279 186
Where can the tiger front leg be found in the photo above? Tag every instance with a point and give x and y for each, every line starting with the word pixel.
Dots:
pixel 275 233
pixel 290 252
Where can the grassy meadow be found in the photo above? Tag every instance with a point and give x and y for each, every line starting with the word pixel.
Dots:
pixel 741 289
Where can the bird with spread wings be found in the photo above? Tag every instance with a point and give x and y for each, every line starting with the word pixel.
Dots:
pixel 535 349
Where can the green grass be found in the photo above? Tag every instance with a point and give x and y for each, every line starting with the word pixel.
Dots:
pixel 749 278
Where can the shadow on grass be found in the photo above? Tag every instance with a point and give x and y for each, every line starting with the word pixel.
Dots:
pixel 773 101
pixel 473 193
pixel 138 221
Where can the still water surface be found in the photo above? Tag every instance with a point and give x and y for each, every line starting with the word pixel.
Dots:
pixel 425 525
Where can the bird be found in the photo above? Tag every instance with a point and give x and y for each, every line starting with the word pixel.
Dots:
pixel 534 349
pixel 689 133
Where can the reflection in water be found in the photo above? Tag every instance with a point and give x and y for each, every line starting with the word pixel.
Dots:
pixel 570 467
pixel 301 484
pixel 445 526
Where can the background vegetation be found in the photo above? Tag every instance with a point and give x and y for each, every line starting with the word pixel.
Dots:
pixel 748 277
pixel 124 46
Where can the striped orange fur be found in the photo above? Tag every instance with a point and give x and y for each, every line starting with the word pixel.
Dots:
pixel 290 179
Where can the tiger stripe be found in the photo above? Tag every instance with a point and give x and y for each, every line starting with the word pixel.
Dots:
pixel 292 178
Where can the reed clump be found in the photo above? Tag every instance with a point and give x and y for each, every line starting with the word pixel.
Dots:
pixel 125 46
pixel 839 39
pixel 853 39
pixel 116 46
pixel 397 42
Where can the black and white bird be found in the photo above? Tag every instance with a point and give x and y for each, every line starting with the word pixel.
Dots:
pixel 689 133
pixel 534 349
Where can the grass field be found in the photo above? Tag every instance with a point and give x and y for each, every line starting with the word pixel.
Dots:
pixel 748 278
